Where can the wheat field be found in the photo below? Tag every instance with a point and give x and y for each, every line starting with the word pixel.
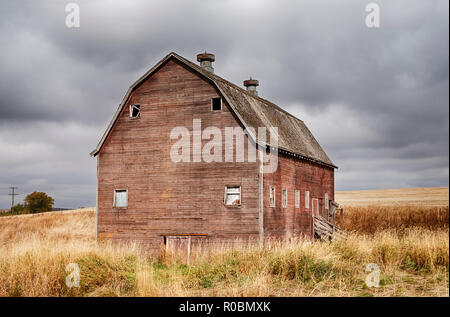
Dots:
pixel 413 260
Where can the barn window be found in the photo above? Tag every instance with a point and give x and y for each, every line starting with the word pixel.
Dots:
pixel 307 199
pixel 284 197
pixel 120 198
pixel 216 104
pixel 135 111
pixel 232 196
pixel 326 201
pixel 272 196
pixel 297 199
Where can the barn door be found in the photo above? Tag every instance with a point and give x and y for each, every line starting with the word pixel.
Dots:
pixel 179 247
pixel 315 207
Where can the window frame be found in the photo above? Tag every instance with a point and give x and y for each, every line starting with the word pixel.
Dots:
pixel 297 198
pixel 126 198
pixel 212 104
pixel 225 196
pixel 272 203
pixel 326 201
pixel 307 199
pixel 131 111
pixel 284 198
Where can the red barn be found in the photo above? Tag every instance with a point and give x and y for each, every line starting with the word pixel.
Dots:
pixel 150 192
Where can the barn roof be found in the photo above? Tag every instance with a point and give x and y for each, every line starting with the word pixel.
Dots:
pixel 294 136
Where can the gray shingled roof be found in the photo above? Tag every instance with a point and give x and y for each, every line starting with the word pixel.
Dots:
pixel 253 111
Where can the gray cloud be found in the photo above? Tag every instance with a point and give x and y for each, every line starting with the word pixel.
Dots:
pixel 376 99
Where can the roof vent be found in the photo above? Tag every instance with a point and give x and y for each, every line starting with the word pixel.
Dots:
pixel 251 85
pixel 206 60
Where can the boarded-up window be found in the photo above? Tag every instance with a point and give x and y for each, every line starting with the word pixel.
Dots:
pixel 120 198
pixel 327 202
pixel 233 195
pixel 284 197
pixel 135 111
pixel 272 196
pixel 297 199
pixel 307 199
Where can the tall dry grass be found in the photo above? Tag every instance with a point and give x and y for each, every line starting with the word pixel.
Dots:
pixel 411 265
pixel 371 219
pixel 35 250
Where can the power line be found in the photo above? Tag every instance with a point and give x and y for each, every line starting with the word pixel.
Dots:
pixel 12 194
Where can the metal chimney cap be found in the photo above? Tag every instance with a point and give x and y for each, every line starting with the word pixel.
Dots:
pixel 205 57
pixel 251 82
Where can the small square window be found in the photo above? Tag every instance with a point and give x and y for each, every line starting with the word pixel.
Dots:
pixel 232 196
pixel 135 111
pixel 307 199
pixel 216 104
pixel 120 198
pixel 284 197
pixel 297 199
pixel 272 197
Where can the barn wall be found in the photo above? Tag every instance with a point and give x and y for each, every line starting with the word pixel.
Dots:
pixel 167 198
pixel 292 174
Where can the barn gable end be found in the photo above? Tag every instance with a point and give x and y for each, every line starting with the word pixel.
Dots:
pixel 167 198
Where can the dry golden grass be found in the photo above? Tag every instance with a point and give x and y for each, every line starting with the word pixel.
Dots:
pixel 34 251
pixel 371 219
pixel 57 226
pixel 410 266
pixel 431 197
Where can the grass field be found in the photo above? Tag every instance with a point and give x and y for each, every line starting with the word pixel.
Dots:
pixel 413 260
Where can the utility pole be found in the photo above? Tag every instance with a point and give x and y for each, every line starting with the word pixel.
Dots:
pixel 12 194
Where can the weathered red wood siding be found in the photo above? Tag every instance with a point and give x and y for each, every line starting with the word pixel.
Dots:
pixel 295 174
pixel 167 198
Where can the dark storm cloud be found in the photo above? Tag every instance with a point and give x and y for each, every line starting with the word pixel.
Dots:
pixel 376 99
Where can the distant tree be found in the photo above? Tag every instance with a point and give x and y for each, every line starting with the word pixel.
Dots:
pixel 38 202
pixel 19 209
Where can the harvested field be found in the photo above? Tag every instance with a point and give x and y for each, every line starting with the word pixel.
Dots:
pixel 430 197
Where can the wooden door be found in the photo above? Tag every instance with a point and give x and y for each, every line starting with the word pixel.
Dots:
pixel 315 207
pixel 179 247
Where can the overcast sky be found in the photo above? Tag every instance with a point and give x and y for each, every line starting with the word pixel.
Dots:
pixel 376 99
